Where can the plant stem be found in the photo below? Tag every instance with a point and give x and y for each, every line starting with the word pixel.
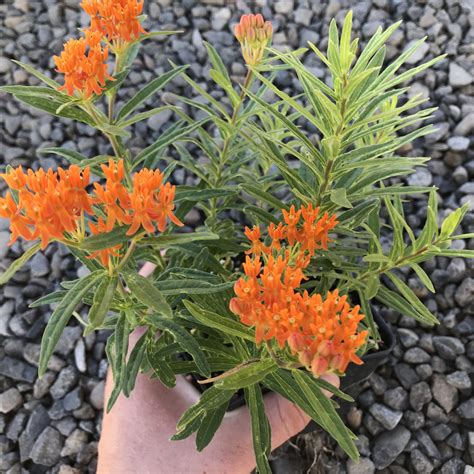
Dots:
pixel 229 138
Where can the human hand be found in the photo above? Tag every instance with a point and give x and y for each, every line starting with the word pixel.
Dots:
pixel 136 433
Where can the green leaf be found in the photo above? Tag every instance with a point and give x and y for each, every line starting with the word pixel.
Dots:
pixel 133 365
pixel 338 196
pixel 51 106
pixel 457 253
pixel 451 222
pixel 326 413
pixel 376 258
pixel 184 339
pixel 147 293
pixel 101 303
pixel 143 116
pixel 117 360
pixel 61 316
pixel 261 432
pixel 168 138
pixel 211 399
pixel 372 287
pixel 47 80
pixel 410 296
pixel 248 375
pixel 53 297
pixel 258 193
pixel 221 323
pixel 162 369
pixel 191 287
pixel 424 278
pixel 190 193
pixel 71 155
pixel 210 424
pixel 164 241
pixel 147 91
pixel 97 242
pixel 18 263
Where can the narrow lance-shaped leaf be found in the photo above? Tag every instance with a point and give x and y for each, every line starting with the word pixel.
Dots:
pixel 210 424
pixel 18 263
pixel 133 365
pixel 102 300
pixel 147 293
pixel 222 323
pixel 184 339
pixel 261 433
pixel 147 91
pixel 61 316
pixel 248 375
pixel 117 359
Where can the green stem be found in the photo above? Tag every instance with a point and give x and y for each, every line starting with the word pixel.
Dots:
pixel 229 138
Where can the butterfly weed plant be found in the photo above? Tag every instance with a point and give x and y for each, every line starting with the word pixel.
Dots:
pixel 276 304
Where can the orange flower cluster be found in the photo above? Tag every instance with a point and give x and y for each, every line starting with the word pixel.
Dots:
pixel 115 19
pixel 83 63
pixel 253 33
pixel 322 332
pixel 149 202
pixel 51 204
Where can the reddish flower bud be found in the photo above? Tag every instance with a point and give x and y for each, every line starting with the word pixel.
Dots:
pixel 254 35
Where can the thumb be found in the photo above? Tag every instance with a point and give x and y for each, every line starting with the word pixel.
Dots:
pixel 287 419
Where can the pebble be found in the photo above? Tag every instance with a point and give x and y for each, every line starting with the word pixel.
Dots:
pixel 10 400
pixel 446 395
pixel 420 395
pixel 97 396
pixel 387 417
pixel 458 143
pixel 80 356
pixel 420 462
pixel 458 77
pixel 396 398
pixel 389 445
pixel 408 337
pixel 66 380
pixel 459 379
pixel 448 347
pixel 415 355
pixel 465 293
pixel 418 54
pixel 364 466
pixel 47 448
pixel 37 422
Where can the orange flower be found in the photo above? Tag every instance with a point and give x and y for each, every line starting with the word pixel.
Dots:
pixel 49 203
pixel 322 332
pixel 83 63
pixel 149 203
pixel 52 204
pixel 254 34
pixel 116 19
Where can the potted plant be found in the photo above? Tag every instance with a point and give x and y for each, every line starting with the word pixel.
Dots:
pixel 275 305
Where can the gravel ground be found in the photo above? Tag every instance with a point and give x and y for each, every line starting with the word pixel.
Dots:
pixel 417 413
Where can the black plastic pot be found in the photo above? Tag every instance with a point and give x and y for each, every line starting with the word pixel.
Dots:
pixel 355 376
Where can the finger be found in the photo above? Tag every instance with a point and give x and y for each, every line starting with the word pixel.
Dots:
pixel 147 269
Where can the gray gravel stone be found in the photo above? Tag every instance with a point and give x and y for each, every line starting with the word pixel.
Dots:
pixel 389 445
pixel 17 370
pixel 66 380
pixel 458 143
pixel 37 422
pixel 465 293
pixel 396 398
pixel 420 395
pixel 364 466
pixel 96 397
pixel 10 400
pixel 75 443
pixel 448 347
pixel 47 448
pixel 408 338
pixel 459 379
pixel 387 417
pixel 445 394
pixel 420 462
pixel 458 77
pixel 466 410
pixel 427 445
pixel 415 355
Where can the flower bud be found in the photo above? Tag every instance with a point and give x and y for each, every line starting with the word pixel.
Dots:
pixel 253 34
